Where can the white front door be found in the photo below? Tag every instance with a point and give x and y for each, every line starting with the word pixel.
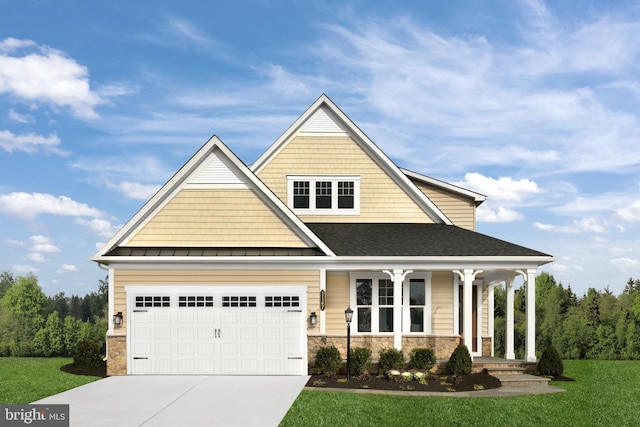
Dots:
pixel 259 330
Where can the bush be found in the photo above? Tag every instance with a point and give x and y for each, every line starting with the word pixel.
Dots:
pixel 88 355
pixel 422 358
pixel 550 362
pixel 390 358
pixel 460 361
pixel 360 361
pixel 328 360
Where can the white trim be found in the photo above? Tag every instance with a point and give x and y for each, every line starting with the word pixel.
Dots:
pixel 406 307
pixel 479 317
pixel 477 197
pixel 456 304
pixel 322 313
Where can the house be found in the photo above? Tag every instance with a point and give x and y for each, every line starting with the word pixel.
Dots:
pixel 247 270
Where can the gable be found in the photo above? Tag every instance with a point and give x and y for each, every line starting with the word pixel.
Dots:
pixel 324 142
pixel 214 201
pixel 459 209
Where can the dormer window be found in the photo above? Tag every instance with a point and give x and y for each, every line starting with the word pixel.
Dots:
pixel 324 195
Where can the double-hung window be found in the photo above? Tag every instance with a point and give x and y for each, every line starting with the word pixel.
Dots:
pixel 324 195
pixel 373 295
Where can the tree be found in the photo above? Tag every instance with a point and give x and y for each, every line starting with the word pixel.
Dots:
pixel 6 281
pixel 22 307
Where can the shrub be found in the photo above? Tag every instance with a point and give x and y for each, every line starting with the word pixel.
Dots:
pixel 550 362
pixel 390 358
pixel 360 360
pixel 88 355
pixel 422 358
pixel 328 360
pixel 460 361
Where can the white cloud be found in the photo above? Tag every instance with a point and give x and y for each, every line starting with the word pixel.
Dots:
pixel 36 257
pixel 101 227
pixel 43 244
pixel 625 262
pixel 630 213
pixel 46 75
pixel 501 214
pixel 20 118
pixel 23 269
pixel 67 268
pixel 134 190
pixel 503 188
pixel 579 226
pixel 30 205
pixel 30 143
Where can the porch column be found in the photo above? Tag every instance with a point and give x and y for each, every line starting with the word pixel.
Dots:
pixel 491 313
pixel 397 275
pixel 468 277
pixel 508 339
pixel 530 343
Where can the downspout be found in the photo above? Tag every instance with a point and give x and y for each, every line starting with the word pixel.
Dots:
pixel 109 314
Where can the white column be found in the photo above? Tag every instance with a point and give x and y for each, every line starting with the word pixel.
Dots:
pixel 397 275
pixel 530 343
pixel 467 309
pixel 508 339
pixel 491 314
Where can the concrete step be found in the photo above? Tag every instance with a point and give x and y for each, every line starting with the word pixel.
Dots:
pixel 522 380
pixel 505 370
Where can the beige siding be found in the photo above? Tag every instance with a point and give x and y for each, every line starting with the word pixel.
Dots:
pixel 381 199
pixel 216 217
pixel 337 302
pixel 459 209
pixel 123 278
pixel 442 303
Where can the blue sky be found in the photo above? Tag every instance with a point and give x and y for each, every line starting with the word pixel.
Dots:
pixel 534 104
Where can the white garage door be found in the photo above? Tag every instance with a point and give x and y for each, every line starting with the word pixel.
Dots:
pixel 217 330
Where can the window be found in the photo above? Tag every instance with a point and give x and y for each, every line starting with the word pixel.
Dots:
pixel 153 301
pixel 282 301
pixel 301 194
pixel 332 195
pixel 238 301
pixel 364 302
pixel 195 301
pixel 372 296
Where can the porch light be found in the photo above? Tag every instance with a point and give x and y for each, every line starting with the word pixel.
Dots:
pixel 117 318
pixel 348 316
pixel 313 318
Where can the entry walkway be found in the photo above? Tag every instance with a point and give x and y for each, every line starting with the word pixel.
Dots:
pixel 163 401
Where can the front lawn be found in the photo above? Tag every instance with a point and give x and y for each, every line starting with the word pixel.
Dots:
pixel 27 379
pixel 606 393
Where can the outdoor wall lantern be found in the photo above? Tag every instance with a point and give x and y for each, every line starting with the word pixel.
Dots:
pixel 117 318
pixel 313 319
pixel 348 316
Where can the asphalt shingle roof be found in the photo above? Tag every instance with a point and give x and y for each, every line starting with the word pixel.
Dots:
pixel 399 239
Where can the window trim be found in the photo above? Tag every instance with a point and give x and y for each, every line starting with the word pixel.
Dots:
pixel 406 308
pixel 334 179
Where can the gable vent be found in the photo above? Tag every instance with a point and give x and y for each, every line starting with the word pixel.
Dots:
pixel 322 122
pixel 215 171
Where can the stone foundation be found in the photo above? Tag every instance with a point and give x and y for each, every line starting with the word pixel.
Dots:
pixel 487 344
pixel 443 346
pixel 116 355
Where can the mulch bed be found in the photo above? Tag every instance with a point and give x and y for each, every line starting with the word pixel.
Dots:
pixel 99 372
pixel 435 383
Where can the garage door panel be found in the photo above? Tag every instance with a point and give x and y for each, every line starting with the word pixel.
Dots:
pixel 243 337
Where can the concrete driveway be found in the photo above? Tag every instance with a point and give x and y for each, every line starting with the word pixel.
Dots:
pixel 161 401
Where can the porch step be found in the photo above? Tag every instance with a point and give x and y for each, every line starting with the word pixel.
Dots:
pixel 522 380
pixel 505 370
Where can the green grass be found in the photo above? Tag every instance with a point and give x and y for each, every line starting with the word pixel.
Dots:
pixel 27 379
pixel 606 393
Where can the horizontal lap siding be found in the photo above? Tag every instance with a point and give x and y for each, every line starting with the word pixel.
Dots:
pixel 216 217
pixel 442 303
pixel 337 302
pixel 460 210
pixel 381 199
pixel 123 278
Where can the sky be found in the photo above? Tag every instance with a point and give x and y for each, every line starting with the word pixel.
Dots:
pixel 534 104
